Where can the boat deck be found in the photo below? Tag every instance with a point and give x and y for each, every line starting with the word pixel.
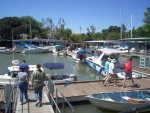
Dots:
pixel 2 97
pixel 79 90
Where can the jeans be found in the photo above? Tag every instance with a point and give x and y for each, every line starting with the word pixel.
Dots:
pixel 23 86
pixel 38 93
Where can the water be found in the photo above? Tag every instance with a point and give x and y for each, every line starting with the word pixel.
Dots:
pixel 83 72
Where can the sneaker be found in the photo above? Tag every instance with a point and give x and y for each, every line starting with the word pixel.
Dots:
pixel 37 103
pixel 21 103
pixel 40 105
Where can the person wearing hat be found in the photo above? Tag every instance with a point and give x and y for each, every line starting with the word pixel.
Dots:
pixel 111 72
pixel 24 64
pixel 107 68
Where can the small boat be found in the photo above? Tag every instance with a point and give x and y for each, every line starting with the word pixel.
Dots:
pixel 5 50
pixel 135 74
pixel 59 50
pixel 120 101
pixel 12 72
pixel 31 48
pixel 80 56
pixel 56 73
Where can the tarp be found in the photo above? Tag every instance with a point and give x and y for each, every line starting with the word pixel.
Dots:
pixel 53 66
pixel 83 51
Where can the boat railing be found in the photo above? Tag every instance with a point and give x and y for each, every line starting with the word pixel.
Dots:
pixel 50 87
pixel 12 100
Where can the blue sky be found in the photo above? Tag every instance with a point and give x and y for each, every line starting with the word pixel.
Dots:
pixel 76 13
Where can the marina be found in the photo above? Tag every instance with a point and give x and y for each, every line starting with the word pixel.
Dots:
pixel 88 80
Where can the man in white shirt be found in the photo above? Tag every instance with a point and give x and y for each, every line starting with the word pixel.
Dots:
pixel 111 72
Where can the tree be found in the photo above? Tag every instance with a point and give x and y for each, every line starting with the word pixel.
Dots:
pixel 91 30
pixel 146 21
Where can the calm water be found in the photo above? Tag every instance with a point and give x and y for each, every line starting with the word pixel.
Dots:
pixel 83 72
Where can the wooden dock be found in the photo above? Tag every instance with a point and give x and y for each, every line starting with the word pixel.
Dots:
pixel 76 91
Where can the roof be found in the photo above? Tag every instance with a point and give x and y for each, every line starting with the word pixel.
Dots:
pixel 110 51
pixel 53 66
pixel 83 51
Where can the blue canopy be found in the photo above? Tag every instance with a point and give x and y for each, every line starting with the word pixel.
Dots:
pixel 83 51
pixel 53 66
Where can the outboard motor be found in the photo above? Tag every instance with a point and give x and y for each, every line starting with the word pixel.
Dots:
pixel 74 76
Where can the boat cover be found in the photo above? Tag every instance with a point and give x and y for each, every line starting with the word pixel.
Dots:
pixel 83 51
pixel 53 66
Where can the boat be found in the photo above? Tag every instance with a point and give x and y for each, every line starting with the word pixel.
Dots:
pixel 56 73
pixel 120 101
pixel 135 74
pixel 97 62
pixel 12 72
pixel 5 50
pixel 31 48
pixel 80 56
pixel 59 50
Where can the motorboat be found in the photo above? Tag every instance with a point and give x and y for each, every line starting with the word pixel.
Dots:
pixel 59 50
pixel 120 101
pixel 80 56
pixel 56 72
pixel 5 50
pixel 12 72
pixel 98 62
pixel 31 48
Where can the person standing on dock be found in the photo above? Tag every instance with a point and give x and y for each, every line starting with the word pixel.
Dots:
pixel 111 72
pixel 24 64
pixel 23 84
pixel 107 69
pixel 128 71
pixel 37 79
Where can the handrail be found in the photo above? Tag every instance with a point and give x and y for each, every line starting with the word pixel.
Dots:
pixel 12 101
pixel 50 85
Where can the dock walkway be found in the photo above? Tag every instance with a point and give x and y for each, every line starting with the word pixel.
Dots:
pixel 30 106
pixel 77 91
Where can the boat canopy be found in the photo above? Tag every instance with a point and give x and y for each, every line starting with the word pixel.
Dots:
pixel 59 46
pixel 83 51
pixel 53 66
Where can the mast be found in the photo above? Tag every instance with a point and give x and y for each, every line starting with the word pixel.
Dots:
pixel 131 26
pixel 120 23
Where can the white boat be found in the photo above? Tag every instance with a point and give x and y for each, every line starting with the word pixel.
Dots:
pixel 98 62
pixel 80 56
pixel 120 101
pixel 5 50
pixel 135 74
pixel 12 72
pixel 59 50
pixel 34 49
pixel 56 72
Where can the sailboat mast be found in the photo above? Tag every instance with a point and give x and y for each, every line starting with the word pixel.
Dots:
pixel 120 23
pixel 131 26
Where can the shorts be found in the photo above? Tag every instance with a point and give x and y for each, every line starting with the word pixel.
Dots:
pixel 112 75
pixel 128 75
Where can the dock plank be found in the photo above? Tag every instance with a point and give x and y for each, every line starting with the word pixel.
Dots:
pixel 76 89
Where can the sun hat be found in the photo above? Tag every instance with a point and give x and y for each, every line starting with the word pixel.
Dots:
pixel 109 59
pixel 113 60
